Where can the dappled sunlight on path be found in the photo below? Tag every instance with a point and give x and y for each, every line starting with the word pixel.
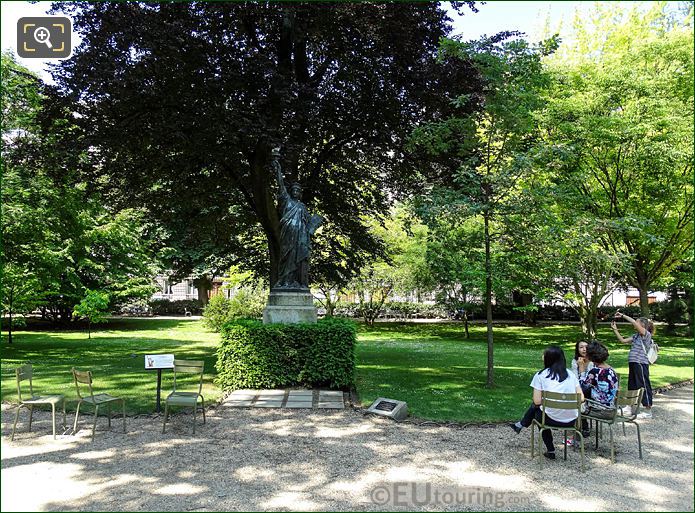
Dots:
pixel 257 459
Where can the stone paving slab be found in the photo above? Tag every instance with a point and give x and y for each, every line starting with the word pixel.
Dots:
pixel 272 392
pixel 298 404
pixel 332 405
pixel 249 398
pixel 267 404
pixel 239 403
pixel 245 392
pixel 330 394
pixel 301 393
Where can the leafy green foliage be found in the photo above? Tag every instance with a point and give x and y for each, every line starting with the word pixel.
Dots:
pixel 403 268
pixel 93 307
pixel 620 132
pixel 216 312
pixel 56 230
pixel 177 307
pixel 255 355
pixel 246 303
pixel 489 146
pixel 21 294
pixel 248 298
pixel 339 89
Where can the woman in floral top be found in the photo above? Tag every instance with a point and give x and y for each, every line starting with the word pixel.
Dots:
pixel 601 382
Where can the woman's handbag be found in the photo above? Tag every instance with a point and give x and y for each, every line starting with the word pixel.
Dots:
pixel 653 352
pixel 598 410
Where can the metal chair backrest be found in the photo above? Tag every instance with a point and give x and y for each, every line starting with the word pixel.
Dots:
pixel 23 373
pixel 84 377
pixel 189 367
pixel 631 398
pixel 560 401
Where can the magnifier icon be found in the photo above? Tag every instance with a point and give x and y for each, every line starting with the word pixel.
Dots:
pixel 43 36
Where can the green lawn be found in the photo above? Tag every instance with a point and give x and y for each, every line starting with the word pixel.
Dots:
pixel 115 355
pixel 442 375
pixel 431 366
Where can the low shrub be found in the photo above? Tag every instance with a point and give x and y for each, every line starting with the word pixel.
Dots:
pixel 256 355
pixel 345 309
pixel 216 313
pixel 135 307
pixel 177 307
pixel 606 313
pixel 672 311
pixel 246 303
pixel 406 310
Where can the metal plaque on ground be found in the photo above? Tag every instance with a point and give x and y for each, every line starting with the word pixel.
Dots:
pixel 397 410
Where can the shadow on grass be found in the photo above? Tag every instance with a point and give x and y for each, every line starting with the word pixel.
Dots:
pixel 442 375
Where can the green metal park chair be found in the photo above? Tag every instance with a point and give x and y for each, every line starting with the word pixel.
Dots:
pixel 624 399
pixel 25 373
pixel 560 401
pixel 85 378
pixel 189 399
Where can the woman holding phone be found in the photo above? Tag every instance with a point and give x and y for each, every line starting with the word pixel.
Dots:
pixel 638 362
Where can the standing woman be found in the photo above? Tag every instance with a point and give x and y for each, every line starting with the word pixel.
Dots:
pixel 638 363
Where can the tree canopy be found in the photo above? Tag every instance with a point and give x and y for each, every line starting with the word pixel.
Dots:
pixel 181 104
pixel 58 238
pixel 620 122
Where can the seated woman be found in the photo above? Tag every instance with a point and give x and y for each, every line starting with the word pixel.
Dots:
pixel 601 383
pixel 581 364
pixel 555 377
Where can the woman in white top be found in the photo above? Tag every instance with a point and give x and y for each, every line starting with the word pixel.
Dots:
pixel 555 377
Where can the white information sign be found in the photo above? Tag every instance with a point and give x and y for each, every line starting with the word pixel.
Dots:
pixel 159 361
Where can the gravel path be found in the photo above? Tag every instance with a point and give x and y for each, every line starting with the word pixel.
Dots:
pixel 256 459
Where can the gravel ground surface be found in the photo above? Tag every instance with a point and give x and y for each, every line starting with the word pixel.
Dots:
pixel 258 459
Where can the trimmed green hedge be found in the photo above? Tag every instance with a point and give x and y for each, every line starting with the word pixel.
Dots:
pixel 256 355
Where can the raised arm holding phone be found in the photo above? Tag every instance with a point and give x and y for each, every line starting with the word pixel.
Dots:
pixel 638 362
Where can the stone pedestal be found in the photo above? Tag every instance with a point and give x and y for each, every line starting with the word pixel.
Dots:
pixel 289 306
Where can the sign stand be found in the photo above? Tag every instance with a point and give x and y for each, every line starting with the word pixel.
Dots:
pixel 159 390
pixel 158 362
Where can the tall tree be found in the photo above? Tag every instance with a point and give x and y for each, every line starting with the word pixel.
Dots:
pixel 621 122
pixel 55 233
pixel 183 103
pixel 490 144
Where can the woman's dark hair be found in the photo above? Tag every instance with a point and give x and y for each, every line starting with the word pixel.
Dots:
pixel 597 352
pixel 576 349
pixel 554 361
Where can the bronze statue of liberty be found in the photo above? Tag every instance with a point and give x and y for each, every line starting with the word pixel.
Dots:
pixel 296 229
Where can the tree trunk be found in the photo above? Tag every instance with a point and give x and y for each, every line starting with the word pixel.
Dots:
pixel 644 299
pixel 689 312
pixel 89 329
pixel 203 284
pixel 588 322
pixel 488 305
pixel 587 317
pixel 274 255
pixel 529 316
pixel 9 329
